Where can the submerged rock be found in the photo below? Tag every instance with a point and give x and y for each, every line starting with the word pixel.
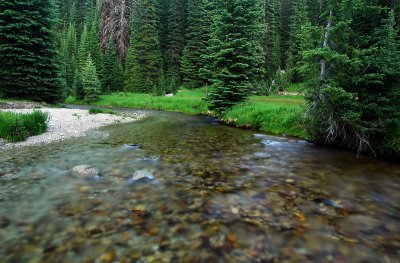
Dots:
pixel 133 146
pixel 141 176
pixel 86 171
pixel 261 155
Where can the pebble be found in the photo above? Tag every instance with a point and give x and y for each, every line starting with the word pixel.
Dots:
pixel 86 171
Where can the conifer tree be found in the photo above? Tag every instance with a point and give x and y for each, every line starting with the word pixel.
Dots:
pixel 271 41
pixel 90 81
pixel 286 14
pixel 355 88
pixel 29 66
pixel 176 39
pixel 93 45
pixel 113 73
pixel 198 35
pixel 83 49
pixel 299 38
pixel 143 63
pixel 235 52
pixel 78 86
pixel 69 55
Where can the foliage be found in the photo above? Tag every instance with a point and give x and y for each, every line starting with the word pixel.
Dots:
pixel 198 35
pixel 102 111
pixel 235 52
pixel 90 81
pixel 354 103
pixel 29 65
pixel 268 117
pixel 143 65
pixel 113 75
pixel 17 127
pixel 273 114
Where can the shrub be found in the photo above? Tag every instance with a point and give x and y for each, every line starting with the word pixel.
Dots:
pixel 17 127
pixel 102 111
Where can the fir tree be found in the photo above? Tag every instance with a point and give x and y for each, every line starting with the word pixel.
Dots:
pixel 29 65
pixel 271 42
pixel 69 55
pixel 299 38
pixel 235 52
pixel 113 73
pixel 83 49
pixel 143 63
pixel 286 14
pixel 93 46
pixel 90 81
pixel 355 89
pixel 198 35
pixel 176 39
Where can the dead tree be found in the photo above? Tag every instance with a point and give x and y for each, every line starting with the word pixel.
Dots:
pixel 115 18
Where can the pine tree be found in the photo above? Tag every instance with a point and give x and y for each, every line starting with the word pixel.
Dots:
pixel 90 81
pixel 29 65
pixel 286 14
pixel 93 46
pixel 176 39
pixel 354 94
pixel 198 35
pixel 143 63
pixel 299 39
pixel 271 41
pixel 113 73
pixel 83 49
pixel 69 56
pixel 235 52
pixel 78 86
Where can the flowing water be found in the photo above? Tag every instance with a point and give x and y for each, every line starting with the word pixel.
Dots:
pixel 221 195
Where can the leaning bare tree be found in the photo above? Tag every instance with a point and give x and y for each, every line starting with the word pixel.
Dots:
pixel 114 23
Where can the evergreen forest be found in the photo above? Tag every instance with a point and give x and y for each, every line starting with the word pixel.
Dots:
pixel 344 54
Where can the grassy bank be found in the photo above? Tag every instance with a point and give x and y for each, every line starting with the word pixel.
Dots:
pixel 272 114
pixel 17 127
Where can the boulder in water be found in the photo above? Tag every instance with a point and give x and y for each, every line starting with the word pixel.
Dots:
pixel 86 171
pixel 141 176
pixel 133 146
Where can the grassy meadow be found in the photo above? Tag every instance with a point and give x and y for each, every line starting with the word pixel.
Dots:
pixel 277 114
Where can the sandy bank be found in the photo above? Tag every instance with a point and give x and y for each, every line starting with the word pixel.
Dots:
pixel 70 123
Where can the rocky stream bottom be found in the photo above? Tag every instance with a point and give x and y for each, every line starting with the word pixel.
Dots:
pixel 177 188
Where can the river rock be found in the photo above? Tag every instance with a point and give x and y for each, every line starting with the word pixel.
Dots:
pixel 2 142
pixel 261 155
pixel 86 171
pixel 141 176
pixel 133 146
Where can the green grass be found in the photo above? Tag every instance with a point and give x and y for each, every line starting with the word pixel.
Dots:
pixel 186 101
pixel 17 127
pixel 274 118
pixel 273 114
pixel 102 111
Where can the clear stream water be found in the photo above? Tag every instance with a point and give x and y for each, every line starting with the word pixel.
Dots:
pixel 221 195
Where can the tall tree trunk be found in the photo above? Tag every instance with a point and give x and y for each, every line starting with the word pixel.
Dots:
pixel 115 20
pixel 326 45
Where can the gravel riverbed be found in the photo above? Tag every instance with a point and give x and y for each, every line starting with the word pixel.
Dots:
pixel 69 123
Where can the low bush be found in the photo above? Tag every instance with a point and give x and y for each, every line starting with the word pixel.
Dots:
pixel 102 111
pixel 15 127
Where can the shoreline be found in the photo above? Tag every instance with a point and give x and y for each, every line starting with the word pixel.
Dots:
pixel 69 123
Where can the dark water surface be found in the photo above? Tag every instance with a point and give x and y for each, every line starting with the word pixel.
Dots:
pixel 220 195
